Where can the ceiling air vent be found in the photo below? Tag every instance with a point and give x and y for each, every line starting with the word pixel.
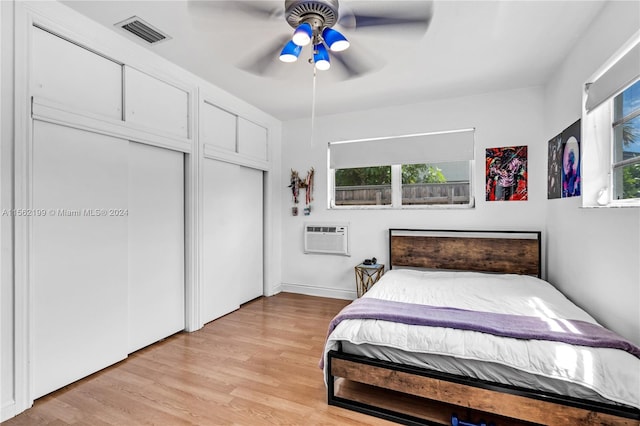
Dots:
pixel 143 30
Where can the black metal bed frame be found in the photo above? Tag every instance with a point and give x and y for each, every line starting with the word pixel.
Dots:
pixel 402 418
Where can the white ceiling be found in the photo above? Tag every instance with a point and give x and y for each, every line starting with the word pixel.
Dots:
pixel 469 47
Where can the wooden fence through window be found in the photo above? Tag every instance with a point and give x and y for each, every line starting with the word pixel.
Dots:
pixel 412 194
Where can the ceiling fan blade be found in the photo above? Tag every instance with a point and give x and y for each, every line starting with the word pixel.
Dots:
pixel 374 21
pixel 355 63
pixel 408 14
pixel 260 9
pixel 351 67
pixel 262 63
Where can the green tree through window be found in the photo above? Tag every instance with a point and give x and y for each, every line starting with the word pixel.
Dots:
pixel 381 175
pixel 422 173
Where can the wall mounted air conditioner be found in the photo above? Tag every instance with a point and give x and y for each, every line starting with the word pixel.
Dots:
pixel 327 238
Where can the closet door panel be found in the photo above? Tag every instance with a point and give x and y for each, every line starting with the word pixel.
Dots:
pixel 156 244
pixel 218 127
pixel 78 254
pixel 222 247
pixel 249 277
pixel 233 237
pixel 252 139
pixel 155 104
pixel 75 77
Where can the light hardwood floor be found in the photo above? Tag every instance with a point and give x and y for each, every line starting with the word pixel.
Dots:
pixel 255 366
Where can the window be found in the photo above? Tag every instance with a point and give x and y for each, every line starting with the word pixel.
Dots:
pixel 611 131
pixel 432 184
pixel 428 169
pixel 363 186
pixel 626 143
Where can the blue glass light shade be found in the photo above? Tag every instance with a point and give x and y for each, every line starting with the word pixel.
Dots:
pixel 290 52
pixel 302 35
pixel 335 40
pixel 321 57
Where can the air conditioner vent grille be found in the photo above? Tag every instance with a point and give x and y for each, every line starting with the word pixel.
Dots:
pixel 143 30
pixel 326 238
pixel 331 229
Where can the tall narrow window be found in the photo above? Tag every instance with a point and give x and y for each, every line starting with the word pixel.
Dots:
pixel 626 143
pixel 611 131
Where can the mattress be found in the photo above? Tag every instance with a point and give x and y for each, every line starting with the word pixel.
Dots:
pixel 597 374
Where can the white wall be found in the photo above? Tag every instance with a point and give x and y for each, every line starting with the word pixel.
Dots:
pixel 593 254
pixel 501 119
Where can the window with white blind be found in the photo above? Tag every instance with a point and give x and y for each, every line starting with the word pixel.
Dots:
pixel 426 169
pixel 611 127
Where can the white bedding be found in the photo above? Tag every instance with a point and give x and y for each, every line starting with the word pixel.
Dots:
pixel 613 374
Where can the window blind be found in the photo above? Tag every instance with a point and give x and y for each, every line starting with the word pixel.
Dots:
pixel 439 147
pixel 615 79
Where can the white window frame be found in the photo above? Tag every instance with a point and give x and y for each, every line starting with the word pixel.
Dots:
pixel 598 141
pixel 396 183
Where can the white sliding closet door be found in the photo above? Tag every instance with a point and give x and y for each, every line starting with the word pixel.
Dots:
pixel 78 254
pixel 156 244
pixel 249 276
pixel 232 235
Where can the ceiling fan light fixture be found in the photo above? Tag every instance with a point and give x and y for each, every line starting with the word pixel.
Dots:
pixel 290 52
pixel 302 35
pixel 335 40
pixel 321 57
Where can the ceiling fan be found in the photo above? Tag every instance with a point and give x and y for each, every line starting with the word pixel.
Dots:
pixel 315 21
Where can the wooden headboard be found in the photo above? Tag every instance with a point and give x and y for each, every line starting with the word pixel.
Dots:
pixel 509 252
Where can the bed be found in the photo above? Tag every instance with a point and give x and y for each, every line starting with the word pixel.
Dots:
pixel 407 368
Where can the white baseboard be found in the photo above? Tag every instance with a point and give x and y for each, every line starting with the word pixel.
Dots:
pixel 272 291
pixel 9 409
pixel 318 291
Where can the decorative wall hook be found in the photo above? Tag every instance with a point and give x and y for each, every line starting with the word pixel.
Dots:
pixel 296 183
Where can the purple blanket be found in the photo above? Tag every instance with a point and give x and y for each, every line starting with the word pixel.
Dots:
pixel 574 332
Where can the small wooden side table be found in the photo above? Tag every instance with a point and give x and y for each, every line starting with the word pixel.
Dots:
pixel 367 276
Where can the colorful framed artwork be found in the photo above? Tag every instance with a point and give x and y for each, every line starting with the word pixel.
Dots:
pixel 563 173
pixel 506 174
pixel 571 180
